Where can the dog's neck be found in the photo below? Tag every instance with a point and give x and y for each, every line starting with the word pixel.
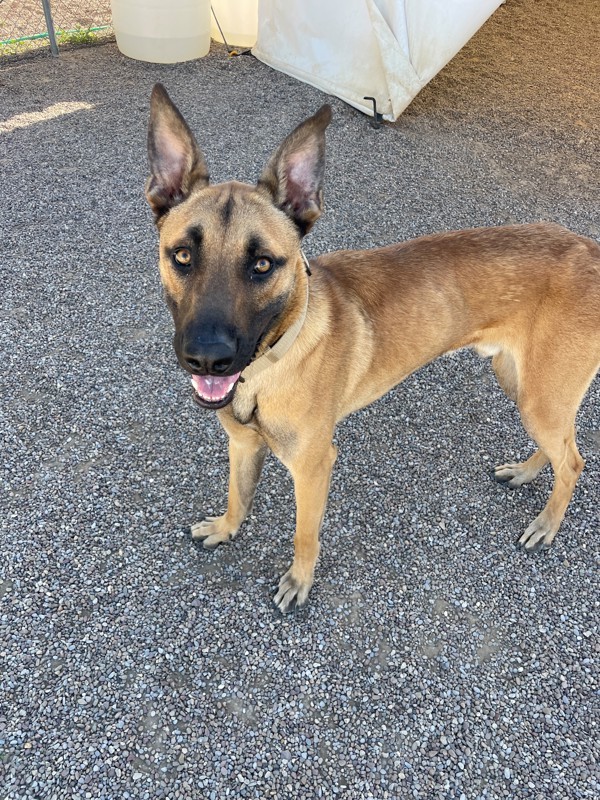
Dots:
pixel 276 352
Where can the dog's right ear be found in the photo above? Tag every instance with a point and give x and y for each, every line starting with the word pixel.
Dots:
pixel 176 162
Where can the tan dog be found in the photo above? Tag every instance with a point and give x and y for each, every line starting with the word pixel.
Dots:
pixel 285 356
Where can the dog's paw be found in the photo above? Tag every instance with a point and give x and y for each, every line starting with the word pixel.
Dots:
pixel 292 592
pixel 539 535
pixel 213 531
pixel 513 474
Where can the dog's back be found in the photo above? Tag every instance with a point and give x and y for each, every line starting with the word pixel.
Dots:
pixel 492 289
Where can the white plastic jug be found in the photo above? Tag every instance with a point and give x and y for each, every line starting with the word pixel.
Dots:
pixel 238 20
pixel 162 31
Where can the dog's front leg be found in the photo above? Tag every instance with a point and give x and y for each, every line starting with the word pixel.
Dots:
pixel 311 472
pixel 247 451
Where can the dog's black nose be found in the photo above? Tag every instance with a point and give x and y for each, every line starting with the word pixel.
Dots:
pixel 206 364
pixel 209 352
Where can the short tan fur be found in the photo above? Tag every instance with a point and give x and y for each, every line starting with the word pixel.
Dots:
pixel 527 295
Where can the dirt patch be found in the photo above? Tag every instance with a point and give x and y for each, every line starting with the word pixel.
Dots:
pixel 74 21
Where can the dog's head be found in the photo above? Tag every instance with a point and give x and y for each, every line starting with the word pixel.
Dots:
pixel 230 258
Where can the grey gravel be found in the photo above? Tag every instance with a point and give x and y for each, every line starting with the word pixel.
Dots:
pixel 434 660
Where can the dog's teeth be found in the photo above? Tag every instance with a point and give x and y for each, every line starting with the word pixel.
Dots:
pixel 206 387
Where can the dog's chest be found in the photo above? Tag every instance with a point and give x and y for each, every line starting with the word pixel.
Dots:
pixel 244 406
pixel 275 430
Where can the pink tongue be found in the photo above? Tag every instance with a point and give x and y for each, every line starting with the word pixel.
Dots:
pixel 214 387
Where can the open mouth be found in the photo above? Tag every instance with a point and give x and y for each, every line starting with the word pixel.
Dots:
pixel 214 391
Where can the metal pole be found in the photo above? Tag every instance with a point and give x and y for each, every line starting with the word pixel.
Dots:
pixel 50 27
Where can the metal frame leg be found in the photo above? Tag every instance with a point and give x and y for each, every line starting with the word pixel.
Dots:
pixel 50 27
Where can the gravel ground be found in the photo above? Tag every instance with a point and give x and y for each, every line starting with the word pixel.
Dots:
pixel 434 660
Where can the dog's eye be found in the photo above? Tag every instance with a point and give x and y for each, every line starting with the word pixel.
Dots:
pixel 182 257
pixel 262 266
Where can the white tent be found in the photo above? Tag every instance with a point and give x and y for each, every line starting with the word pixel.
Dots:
pixel 386 49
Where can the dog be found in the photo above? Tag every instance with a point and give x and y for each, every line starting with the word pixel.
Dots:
pixel 283 349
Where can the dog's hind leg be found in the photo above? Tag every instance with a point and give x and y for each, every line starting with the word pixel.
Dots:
pixel 505 369
pixel 560 448
pixel 512 473
pixel 247 451
pixel 548 406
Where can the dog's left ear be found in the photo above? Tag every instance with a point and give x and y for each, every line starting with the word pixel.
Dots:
pixel 176 162
pixel 294 175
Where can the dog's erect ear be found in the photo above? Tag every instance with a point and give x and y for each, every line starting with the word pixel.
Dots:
pixel 294 175
pixel 176 163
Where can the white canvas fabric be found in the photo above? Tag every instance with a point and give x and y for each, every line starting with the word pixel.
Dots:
pixel 387 49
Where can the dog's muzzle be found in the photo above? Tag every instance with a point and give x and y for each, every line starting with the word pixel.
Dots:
pixel 212 355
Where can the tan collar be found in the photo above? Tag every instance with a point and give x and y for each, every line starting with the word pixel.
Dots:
pixel 273 354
